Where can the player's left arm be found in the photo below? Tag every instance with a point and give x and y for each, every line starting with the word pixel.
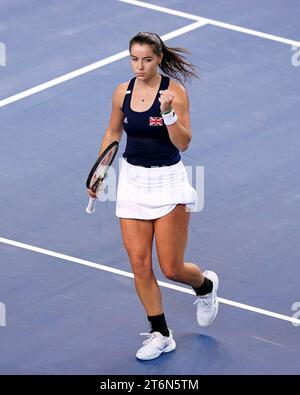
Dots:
pixel 176 97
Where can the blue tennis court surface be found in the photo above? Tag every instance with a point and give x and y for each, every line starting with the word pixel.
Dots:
pixel 59 313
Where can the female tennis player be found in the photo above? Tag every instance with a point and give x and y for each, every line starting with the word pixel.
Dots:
pixel 154 197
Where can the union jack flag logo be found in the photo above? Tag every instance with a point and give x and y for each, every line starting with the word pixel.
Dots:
pixel 156 121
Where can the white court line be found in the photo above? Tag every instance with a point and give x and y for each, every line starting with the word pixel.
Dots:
pixel 271 342
pixel 163 9
pixel 92 67
pixel 128 274
pixel 63 78
pixel 212 22
pixel 200 22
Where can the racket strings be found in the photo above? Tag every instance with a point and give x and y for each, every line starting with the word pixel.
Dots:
pixel 101 167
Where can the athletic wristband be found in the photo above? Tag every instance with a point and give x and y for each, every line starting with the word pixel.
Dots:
pixel 167 112
pixel 169 118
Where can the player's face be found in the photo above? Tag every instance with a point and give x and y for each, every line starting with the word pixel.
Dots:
pixel 144 61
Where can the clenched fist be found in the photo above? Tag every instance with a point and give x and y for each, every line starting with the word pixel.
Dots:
pixel 166 98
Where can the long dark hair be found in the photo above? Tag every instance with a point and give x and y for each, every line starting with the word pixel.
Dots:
pixel 173 63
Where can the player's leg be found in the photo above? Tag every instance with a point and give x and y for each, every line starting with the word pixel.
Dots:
pixel 171 234
pixel 138 239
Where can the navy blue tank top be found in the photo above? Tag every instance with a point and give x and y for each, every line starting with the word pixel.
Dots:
pixel 148 142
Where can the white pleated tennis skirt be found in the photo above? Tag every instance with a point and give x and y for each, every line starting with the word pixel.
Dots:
pixel 149 193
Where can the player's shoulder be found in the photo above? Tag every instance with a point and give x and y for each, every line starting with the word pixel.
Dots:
pixel 121 88
pixel 119 93
pixel 179 90
pixel 177 87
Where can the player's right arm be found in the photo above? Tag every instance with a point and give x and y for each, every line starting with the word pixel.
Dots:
pixel 115 126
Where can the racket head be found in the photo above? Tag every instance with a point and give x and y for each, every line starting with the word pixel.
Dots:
pixel 101 167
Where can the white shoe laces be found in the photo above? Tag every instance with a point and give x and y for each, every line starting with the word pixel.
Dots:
pixel 205 301
pixel 151 336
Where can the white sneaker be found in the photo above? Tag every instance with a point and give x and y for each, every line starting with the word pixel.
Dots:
pixel 208 305
pixel 155 345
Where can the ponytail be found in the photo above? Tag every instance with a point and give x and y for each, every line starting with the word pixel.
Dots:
pixel 173 63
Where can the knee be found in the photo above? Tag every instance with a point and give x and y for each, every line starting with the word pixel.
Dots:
pixel 141 266
pixel 172 272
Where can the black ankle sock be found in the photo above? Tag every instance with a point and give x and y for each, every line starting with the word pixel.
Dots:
pixel 205 288
pixel 158 324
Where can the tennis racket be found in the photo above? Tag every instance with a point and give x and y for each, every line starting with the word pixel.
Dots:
pixel 99 171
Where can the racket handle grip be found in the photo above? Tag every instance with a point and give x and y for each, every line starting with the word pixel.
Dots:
pixel 90 209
